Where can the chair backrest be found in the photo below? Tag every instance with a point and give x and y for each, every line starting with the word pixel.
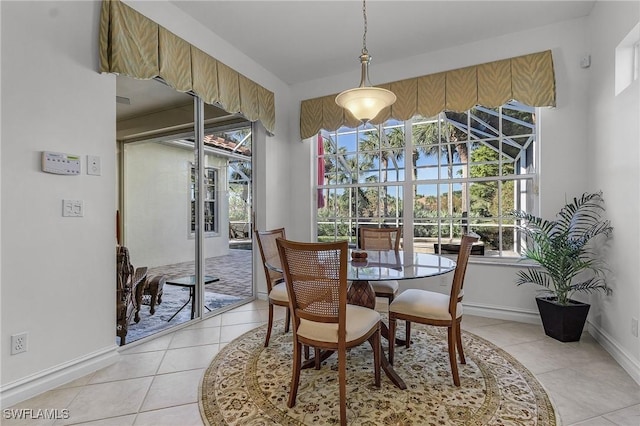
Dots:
pixel 380 238
pixel 269 253
pixel 124 269
pixel 316 279
pixel 461 270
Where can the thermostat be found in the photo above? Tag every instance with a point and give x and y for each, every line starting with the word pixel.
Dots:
pixel 60 163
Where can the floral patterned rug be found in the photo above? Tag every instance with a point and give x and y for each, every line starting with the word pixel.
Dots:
pixel 247 384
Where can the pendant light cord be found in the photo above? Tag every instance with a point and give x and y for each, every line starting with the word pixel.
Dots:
pixel 364 36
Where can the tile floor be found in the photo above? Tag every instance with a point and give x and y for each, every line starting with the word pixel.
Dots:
pixel 156 382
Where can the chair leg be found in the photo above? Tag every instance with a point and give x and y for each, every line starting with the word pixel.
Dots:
pixel 342 380
pixel 376 345
pixel 459 344
pixel 316 354
pixel 295 376
pixel 269 325
pixel 392 337
pixel 407 333
pixel 287 320
pixel 451 343
pixel 306 352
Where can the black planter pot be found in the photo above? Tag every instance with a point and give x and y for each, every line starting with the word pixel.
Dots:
pixel 562 322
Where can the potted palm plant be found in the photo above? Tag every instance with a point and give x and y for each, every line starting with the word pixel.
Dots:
pixel 565 262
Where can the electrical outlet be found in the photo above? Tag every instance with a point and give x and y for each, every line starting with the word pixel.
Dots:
pixel 634 326
pixel 72 208
pixel 18 343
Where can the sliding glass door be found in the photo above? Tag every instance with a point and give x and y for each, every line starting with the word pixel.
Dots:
pixel 175 204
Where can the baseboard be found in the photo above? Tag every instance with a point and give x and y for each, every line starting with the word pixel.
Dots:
pixel 35 384
pixel 503 313
pixel 622 357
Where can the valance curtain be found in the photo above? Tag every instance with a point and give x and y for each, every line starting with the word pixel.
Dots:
pixel 529 79
pixel 133 45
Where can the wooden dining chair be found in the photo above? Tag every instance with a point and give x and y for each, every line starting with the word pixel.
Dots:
pixel 276 288
pixel 316 279
pixel 437 309
pixel 382 239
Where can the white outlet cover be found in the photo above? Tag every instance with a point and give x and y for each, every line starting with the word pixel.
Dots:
pixel 72 208
pixel 18 343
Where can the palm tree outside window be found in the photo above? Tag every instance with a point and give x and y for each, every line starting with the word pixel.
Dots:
pixel 442 175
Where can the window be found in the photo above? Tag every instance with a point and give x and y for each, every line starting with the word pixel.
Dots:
pixel 210 200
pixel 439 176
pixel 627 60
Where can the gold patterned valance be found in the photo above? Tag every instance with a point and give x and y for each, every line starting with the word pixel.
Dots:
pixel 133 45
pixel 529 79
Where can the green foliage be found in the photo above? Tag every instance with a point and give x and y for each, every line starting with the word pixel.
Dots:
pixel 563 248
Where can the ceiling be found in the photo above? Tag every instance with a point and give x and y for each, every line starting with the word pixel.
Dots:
pixel 300 41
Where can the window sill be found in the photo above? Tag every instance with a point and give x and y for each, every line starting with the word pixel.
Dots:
pixel 512 262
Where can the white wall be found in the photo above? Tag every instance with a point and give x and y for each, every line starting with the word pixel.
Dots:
pixel 58 274
pixel 614 164
pixel 157 205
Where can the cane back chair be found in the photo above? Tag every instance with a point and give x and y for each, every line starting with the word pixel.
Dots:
pixel 437 309
pixel 316 279
pixel 382 239
pixel 276 289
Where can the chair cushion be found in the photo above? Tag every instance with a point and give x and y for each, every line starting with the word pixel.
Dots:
pixel 385 287
pixel 359 321
pixel 424 304
pixel 279 293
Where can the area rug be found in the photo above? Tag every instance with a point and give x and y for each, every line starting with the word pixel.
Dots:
pixel 247 384
pixel 172 299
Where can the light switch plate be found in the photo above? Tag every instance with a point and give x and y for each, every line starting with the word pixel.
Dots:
pixel 93 165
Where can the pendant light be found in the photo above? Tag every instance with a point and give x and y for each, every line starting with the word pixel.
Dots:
pixel 365 102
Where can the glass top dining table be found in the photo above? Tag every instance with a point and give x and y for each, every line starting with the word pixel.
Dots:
pixel 389 265
pixel 397 265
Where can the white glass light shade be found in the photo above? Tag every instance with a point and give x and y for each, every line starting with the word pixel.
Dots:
pixel 365 102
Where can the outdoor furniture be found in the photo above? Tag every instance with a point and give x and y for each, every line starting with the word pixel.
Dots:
pixel 152 288
pixel 476 250
pixel 382 239
pixel 276 288
pixel 437 309
pixel 128 279
pixel 316 279
pixel 189 282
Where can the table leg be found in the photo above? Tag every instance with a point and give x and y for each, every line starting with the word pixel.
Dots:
pixel 361 293
pixel 192 297
pixel 181 308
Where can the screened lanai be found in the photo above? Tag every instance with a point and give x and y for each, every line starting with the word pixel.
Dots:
pixel 439 176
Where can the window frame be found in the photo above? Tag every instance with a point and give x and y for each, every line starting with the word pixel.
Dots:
pixel 210 198
pixel 529 177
